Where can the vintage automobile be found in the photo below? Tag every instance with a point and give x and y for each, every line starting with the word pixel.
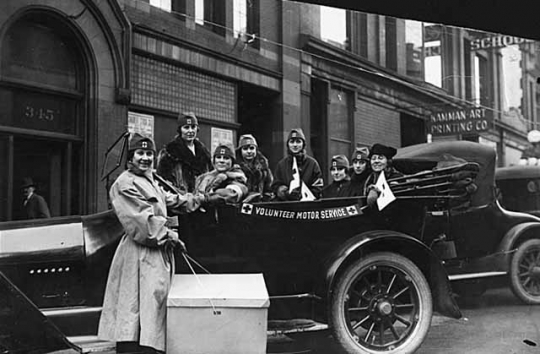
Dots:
pixel 372 277
pixel 483 243
pixel 519 188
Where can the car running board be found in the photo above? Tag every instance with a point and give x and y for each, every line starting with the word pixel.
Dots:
pixel 465 276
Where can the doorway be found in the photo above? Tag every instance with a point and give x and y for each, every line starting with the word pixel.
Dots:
pixel 50 164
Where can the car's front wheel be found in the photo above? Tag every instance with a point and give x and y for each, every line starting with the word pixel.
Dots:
pixel 525 272
pixel 381 304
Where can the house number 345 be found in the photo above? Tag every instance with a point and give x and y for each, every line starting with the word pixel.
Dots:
pixel 39 113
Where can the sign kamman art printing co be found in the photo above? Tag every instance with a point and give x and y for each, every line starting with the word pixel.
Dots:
pixel 465 121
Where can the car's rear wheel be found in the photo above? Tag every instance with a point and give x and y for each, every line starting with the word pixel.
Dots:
pixel 381 303
pixel 525 272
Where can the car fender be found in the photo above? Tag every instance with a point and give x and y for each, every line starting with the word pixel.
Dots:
pixel 408 246
pixel 518 234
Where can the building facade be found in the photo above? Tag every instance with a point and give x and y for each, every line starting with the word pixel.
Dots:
pixel 75 76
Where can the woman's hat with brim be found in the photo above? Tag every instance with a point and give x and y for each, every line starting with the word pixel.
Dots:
pixel 224 150
pixel 187 118
pixel 247 139
pixel 339 161
pixel 137 141
pixel 379 149
pixel 360 153
pixel 297 133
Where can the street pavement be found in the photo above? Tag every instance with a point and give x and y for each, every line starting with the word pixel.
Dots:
pixel 494 323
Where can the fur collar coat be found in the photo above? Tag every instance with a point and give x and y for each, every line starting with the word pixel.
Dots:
pixel 177 163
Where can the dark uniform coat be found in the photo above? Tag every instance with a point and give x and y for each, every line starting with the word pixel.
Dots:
pixel 337 189
pixel 358 182
pixel 177 163
pixel 310 173
pixel 36 207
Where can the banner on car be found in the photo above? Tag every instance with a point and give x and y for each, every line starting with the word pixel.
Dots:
pixel 276 212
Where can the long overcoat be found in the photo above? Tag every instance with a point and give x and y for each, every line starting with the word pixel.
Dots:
pixel 134 307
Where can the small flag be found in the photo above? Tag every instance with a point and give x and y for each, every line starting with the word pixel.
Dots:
pixel 386 197
pixel 295 182
pixel 306 193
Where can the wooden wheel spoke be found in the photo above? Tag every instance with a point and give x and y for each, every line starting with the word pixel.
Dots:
pixel 523 266
pixel 527 281
pixel 403 306
pixel 368 334
pixel 399 293
pixel 356 309
pixel 358 324
pixel 403 320
pixel 391 283
pixel 524 274
pixel 393 330
pixel 530 258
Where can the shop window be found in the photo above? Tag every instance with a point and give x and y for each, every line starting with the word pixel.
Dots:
pixel 469 77
pixel 211 14
pixel 339 122
pixel 433 39
pixel 180 89
pixel 34 53
pixel 246 21
pixel 334 26
pixel 390 34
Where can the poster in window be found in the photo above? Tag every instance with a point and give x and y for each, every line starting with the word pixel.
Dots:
pixel 141 123
pixel 221 136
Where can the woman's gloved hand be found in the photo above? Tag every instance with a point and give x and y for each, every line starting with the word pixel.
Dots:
pixel 294 194
pixel 214 199
pixel 174 241
pixel 282 192
pixel 373 195
pixel 218 180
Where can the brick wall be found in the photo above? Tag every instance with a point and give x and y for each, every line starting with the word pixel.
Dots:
pixel 375 123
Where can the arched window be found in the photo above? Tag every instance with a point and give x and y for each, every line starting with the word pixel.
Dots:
pixel 42 96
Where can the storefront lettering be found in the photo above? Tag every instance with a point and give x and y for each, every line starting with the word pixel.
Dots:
pixel 40 113
pixel 473 120
pixel 495 42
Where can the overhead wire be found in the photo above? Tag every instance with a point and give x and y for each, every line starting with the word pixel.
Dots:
pixel 252 37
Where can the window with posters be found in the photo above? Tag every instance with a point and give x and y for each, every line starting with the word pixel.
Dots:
pixel 141 123
pixel 221 136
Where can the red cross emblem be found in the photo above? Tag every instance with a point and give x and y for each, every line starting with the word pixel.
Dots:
pixel 334 163
pixel 188 121
pixel 222 152
pixel 144 144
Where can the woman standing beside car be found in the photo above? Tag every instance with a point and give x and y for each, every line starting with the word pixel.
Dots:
pixel 134 306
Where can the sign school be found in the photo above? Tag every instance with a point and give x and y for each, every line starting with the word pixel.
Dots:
pixel 465 121
pixel 320 214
